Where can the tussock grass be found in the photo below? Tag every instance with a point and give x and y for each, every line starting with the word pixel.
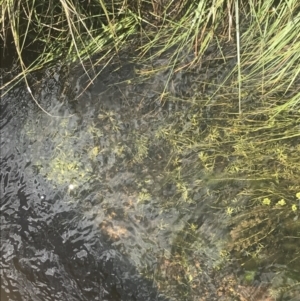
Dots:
pixel 70 30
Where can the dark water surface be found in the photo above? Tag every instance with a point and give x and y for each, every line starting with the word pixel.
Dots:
pixel 52 249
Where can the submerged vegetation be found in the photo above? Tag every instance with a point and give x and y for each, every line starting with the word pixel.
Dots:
pixel 226 76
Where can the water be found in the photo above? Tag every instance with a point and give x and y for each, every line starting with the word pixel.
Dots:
pixel 52 243
pixel 102 239
pixel 87 211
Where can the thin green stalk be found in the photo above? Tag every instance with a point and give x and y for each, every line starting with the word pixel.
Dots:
pixel 238 55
